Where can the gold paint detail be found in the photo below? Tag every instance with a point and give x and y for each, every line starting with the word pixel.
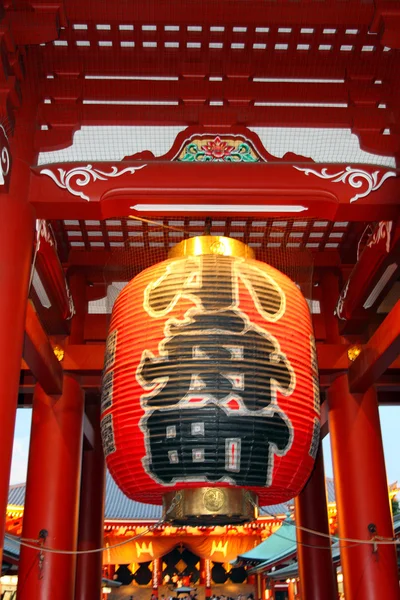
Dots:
pixel 218 248
pixel 144 549
pixel 219 547
pixel 59 352
pixel 211 244
pixel 214 499
pixel 353 352
pixel 210 506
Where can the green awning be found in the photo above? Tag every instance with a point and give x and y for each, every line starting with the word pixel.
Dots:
pixel 278 546
pixel 292 570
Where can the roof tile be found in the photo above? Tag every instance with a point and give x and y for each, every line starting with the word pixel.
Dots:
pixel 119 507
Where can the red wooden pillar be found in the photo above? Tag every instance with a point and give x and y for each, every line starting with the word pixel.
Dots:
pixel 52 494
pixel 110 569
pixel 155 576
pixel 16 239
pixel 258 586
pixel 16 243
pixel 205 575
pixel 360 480
pixel 261 587
pixel 91 506
pixel 317 578
pixel 202 578
pixel 361 493
pixel 291 590
pixel 91 513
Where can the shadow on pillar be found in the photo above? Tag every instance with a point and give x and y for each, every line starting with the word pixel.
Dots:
pixel 316 571
pixel 91 512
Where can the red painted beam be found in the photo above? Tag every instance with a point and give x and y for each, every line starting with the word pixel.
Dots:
pixel 172 183
pixel 387 22
pixel 395 365
pixel 32 28
pixel 378 354
pixel 85 359
pixel 73 114
pixel 229 12
pixel 200 90
pixel 35 22
pixel 98 260
pixel 39 356
pixel 71 61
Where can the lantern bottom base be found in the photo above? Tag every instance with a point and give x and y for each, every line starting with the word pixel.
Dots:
pixel 210 506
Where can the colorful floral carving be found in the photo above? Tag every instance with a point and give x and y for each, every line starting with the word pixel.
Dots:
pixel 218 150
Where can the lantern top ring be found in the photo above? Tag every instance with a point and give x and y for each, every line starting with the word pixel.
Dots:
pixel 211 244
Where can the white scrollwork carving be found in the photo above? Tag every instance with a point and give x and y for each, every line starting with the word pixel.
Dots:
pixel 44 231
pixel 4 160
pixel 383 231
pixel 70 301
pixel 340 304
pixel 357 178
pixel 81 176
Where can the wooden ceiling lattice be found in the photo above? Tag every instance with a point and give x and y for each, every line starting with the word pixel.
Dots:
pixel 119 234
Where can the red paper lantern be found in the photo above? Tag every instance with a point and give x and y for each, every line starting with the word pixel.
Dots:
pixel 210 378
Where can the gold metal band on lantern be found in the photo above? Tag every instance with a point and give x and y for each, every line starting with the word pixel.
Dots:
pixel 211 244
pixel 210 506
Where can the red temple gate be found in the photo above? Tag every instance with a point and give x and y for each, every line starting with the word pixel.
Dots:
pixel 222 70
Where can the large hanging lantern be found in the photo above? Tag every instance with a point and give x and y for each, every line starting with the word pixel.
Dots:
pixel 210 388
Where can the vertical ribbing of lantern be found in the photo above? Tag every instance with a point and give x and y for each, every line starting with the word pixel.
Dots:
pixel 210 381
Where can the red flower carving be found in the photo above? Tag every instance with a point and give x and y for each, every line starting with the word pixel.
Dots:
pixel 217 148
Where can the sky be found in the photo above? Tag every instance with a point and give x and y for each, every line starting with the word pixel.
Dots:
pixel 390 424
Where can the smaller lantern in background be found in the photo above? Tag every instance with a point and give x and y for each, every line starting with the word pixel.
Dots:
pixel 210 389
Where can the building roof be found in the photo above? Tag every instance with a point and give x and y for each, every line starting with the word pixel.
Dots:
pixel 279 545
pixel 120 508
pixel 16 494
pixel 292 570
pixel 330 489
pixel 117 507
pixel 11 546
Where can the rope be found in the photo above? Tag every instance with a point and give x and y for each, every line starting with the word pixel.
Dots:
pixel 379 540
pixel 36 544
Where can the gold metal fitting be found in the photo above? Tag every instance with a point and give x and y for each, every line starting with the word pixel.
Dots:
pixel 211 244
pixel 210 506
pixel 353 352
pixel 59 352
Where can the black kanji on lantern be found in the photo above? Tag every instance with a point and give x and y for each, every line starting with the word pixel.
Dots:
pixel 210 406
